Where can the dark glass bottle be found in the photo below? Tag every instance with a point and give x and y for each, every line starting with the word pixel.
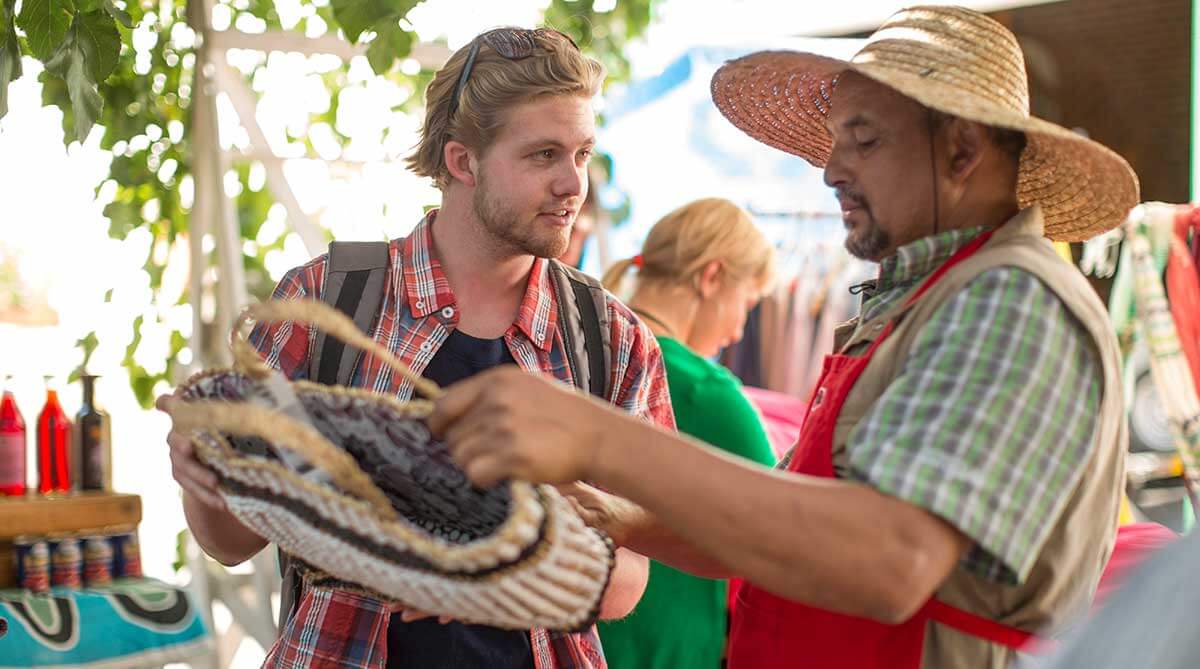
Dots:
pixel 12 446
pixel 54 439
pixel 94 442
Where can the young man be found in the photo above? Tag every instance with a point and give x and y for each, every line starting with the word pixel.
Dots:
pixel 956 484
pixel 508 133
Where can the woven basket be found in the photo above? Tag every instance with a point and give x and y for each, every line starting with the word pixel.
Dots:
pixel 354 486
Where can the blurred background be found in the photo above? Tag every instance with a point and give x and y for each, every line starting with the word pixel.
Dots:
pixel 154 180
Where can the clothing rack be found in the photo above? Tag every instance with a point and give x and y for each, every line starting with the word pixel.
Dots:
pixel 1158 321
pixel 787 333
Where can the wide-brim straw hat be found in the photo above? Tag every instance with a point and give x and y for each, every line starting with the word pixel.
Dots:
pixel 956 61
pixel 356 489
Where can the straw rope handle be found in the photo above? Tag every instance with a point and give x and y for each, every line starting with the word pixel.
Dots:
pixel 255 421
pixel 325 317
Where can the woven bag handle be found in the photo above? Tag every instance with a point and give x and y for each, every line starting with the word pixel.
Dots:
pixel 250 420
pixel 333 322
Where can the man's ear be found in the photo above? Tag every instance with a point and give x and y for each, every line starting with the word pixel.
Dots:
pixel 967 141
pixel 460 162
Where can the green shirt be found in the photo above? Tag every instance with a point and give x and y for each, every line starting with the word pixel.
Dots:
pixel 680 622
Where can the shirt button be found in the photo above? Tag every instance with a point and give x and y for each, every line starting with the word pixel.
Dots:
pixel 426 346
pixel 540 335
pixel 420 304
pixel 448 312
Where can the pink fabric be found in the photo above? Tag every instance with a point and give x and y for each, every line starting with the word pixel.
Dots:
pixel 782 415
pixel 1135 543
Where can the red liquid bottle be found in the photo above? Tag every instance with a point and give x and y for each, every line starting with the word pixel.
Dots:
pixel 54 443
pixel 12 447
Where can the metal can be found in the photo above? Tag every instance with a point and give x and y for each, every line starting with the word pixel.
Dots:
pixel 33 564
pixel 66 564
pixel 127 558
pixel 97 562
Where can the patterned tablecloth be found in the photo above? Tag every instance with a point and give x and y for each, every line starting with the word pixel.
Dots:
pixel 133 623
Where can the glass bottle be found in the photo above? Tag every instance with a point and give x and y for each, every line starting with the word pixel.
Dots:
pixel 12 444
pixel 54 439
pixel 93 429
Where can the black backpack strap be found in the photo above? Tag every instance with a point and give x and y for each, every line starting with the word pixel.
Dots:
pixel 584 325
pixel 354 282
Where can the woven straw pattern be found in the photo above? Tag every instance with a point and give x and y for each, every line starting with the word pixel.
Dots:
pixel 558 585
pixel 541 567
pixel 956 61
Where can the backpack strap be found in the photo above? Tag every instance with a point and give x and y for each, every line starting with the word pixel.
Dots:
pixel 354 281
pixel 584 325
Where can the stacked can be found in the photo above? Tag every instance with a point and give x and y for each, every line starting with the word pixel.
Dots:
pixel 33 564
pixel 127 558
pixel 66 564
pixel 97 561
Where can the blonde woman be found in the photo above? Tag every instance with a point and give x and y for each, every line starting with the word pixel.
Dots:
pixel 701 269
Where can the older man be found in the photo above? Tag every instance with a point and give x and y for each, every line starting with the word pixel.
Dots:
pixel 956 483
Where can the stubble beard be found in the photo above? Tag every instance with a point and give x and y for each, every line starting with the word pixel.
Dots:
pixel 505 226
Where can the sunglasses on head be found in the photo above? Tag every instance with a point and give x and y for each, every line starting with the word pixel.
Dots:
pixel 511 43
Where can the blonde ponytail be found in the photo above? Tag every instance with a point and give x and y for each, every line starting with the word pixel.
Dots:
pixel 615 275
pixel 682 243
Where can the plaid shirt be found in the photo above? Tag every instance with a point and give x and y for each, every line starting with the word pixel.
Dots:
pixel 991 418
pixel 417 315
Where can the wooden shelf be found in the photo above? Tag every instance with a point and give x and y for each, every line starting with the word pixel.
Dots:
pixel 42 515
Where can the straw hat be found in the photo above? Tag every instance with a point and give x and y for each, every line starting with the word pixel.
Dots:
pixel 356 489
pixel 956 61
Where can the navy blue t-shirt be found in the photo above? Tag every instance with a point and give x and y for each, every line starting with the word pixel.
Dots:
pixel 426 643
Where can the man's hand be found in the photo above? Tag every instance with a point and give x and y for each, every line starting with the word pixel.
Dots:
pixel 214 527
pixel 195 479
pixel 613 515
pixel 506 423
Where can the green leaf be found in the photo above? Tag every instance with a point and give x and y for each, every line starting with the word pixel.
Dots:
pixel 379 55
pixel 45 23
pixel 10 56
pixel 88 5
pixel 70 64
pixel 118 14
pixel 97 34
pixel 88 345
pixel 391 42
pixel 356 16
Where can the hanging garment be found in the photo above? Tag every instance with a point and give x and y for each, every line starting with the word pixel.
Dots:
pixel 744 358
pixel 1168 366
pixel 782 415
pixel 774 321
pixel 1183 291
pixel 802 331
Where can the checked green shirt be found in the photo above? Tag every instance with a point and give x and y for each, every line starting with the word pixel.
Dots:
pixel 991 420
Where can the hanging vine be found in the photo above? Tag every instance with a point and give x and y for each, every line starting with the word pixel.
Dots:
pixel 127 66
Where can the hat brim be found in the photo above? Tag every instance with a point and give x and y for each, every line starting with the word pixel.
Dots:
pixel 782 98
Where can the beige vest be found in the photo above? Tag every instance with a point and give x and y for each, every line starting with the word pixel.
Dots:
pixel 1064 577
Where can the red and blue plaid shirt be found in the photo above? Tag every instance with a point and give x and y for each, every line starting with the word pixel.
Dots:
pixel 417 315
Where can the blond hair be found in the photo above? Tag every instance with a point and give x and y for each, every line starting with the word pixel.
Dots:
pixel 494 86
pixel 682 243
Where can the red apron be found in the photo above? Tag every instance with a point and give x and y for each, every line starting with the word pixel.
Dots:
pixel 770 631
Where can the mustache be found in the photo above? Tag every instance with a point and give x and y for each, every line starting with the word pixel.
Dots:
pixel 845 194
